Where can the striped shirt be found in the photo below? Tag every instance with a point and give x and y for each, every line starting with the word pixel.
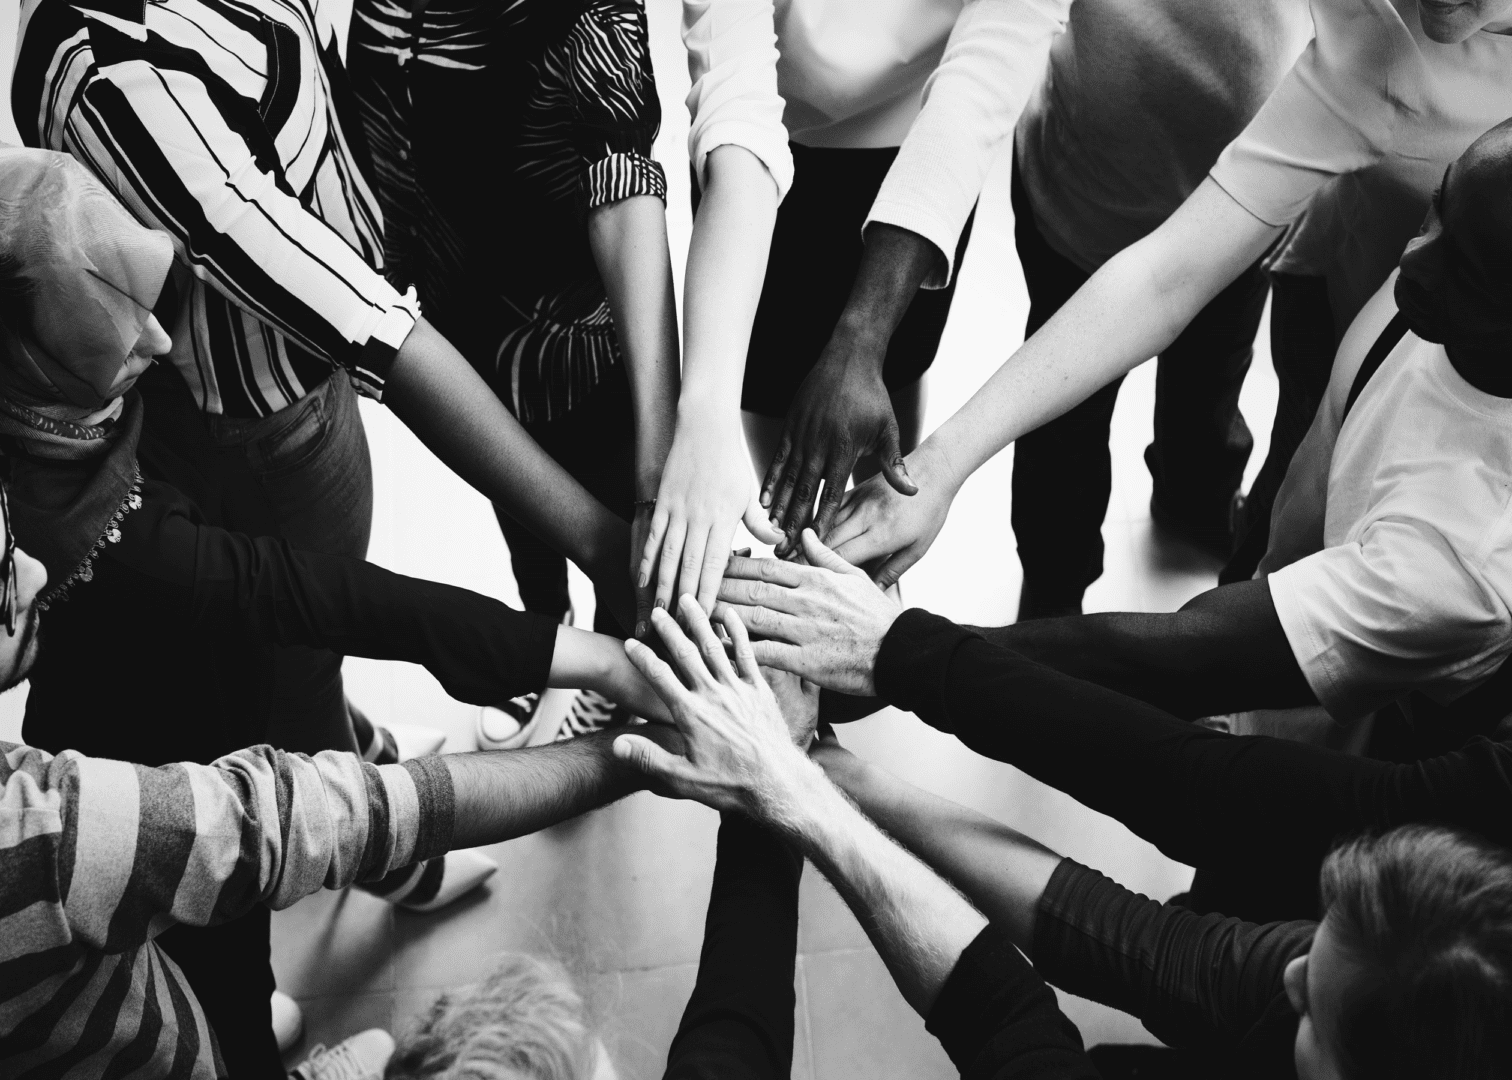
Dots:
pixel 219 122
pixel 98 857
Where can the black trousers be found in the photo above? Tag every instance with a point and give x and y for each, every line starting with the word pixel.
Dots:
pixel 739 1021
pixel 1062 472
pixel 1303 342
pixel 595 442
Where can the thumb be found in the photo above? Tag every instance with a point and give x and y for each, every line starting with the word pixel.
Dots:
pixel 889 572
pixel 645 756
pixel 760 524
pixel 890 454
pixel 819 555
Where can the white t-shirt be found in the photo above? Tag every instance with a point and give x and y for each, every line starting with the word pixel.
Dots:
pixel 1391 540
pixel 945 79
pixel 1375 103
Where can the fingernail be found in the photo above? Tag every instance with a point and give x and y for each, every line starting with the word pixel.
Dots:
pixel 766 499
pixel 642 581
pixel 640 629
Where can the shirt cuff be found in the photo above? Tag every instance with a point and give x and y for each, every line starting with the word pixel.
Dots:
pixel 623 176
pixel 370 371
pixel 1307 647
pixel 773 152
pixel 943 234
pixel 913 660
pixel 961 1017
pixel 438 806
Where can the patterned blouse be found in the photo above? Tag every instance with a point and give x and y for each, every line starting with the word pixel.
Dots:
pixel 493 128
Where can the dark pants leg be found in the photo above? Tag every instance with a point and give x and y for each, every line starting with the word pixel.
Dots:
pixel 1062 472
pixel 739 1021
pixel 229 969
pixel 595 442
pixel 1303 341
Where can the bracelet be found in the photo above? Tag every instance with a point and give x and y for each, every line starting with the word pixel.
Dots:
pixel 644 502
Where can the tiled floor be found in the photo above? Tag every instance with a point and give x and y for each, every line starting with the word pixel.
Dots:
pixel 619 896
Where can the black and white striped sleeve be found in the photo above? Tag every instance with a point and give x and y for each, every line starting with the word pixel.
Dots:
pixel 616 111
pixel 190 156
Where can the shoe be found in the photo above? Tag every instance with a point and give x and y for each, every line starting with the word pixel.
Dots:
pixel 516 723
pixel 591 712
pixel 288 1021
pixel 393 743
pixel 436 883
pixel 1033 606
pixel 362 1057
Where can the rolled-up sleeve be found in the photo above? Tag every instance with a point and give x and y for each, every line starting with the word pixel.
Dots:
pixel 732 60
pixel 994 58
pixel 193 158
pixel 616 113
pixel 1393 610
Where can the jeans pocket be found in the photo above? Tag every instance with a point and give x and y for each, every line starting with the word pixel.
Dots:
pixel 286 441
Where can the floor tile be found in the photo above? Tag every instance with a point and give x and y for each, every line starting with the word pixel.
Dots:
pixel 334 943
pixel 862 1027
pixel 329 1020
pixel 637 1013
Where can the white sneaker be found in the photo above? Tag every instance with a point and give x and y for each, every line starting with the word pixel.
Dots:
pixel 591 712
pixel 362 1057
pixel 288 1021
pixel 518 722
pixel 462 872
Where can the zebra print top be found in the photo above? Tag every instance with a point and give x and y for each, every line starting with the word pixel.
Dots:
pixel 493 128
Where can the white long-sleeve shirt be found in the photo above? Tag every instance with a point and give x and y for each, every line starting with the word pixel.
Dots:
pixel 945 79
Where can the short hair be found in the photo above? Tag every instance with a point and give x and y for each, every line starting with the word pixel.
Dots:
pixel 524 1021
pixel 1427 914
pixel 16 291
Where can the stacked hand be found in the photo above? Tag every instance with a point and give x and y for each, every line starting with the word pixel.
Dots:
pixel 877 525
pixel 706 489
pixel 740 753
pixel 841 413
pixel 824 622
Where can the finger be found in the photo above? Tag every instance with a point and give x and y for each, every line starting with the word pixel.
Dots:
pixel 690 567
pixel 798 509
pixel 760 594
pixel 653 546
pixel 661 677
pixel 759 525
pixel 890 453
pixel 764 622
pixel 889 572
pixel 645 756
pixel 819 555
pixel 666 568
pixel 716 558
pixel 779 655
pixel 702 632
pixel 858 550
pixel 849 524
pixel 774 570
pixel 775 469
pixel 840 468
pixel 686 660
pixel 745 658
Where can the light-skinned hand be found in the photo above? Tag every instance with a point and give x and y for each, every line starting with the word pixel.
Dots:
pixel 738 751
pixel 876 525
pixel 824 622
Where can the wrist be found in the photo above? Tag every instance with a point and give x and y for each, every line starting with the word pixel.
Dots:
pixel 933 464
pixel 790 798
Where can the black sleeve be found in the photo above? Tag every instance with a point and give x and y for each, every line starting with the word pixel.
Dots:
pixel 998 1020
pixel 1196 981
pixel 1203 797
pixel 480 650
pixel 739 1021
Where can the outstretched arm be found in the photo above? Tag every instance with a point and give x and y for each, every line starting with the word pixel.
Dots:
pixel 1130 309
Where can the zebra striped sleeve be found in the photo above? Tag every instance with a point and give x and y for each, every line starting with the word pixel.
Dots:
pixel 620 176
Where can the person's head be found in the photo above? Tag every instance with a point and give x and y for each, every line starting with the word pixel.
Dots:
pixel 1449 22
pixel 523 1022
pixel 78 281
pixel 1455 286
pixel 1410 973
pixel 22 579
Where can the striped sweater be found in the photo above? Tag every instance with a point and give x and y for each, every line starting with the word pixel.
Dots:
pixel 98 857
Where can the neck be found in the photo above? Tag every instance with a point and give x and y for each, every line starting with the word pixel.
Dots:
pixel 1488 368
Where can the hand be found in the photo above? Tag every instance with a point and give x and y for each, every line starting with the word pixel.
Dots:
pixel 738 752
pixel 798 699
pixel 706 488
pixel 826 621
pixel 842 412
pixel 876 525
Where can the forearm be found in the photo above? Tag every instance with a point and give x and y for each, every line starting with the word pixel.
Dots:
pixel 508 793
pixel 448 405
pixel 629 242
pixel 894 264
pixel 727 258
pixel 589 661
pixel 1000 870
pixel 918 923
pixel 1224 652
pixel 1129 311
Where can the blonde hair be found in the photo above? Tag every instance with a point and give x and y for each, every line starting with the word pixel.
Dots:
pixel 524 1021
